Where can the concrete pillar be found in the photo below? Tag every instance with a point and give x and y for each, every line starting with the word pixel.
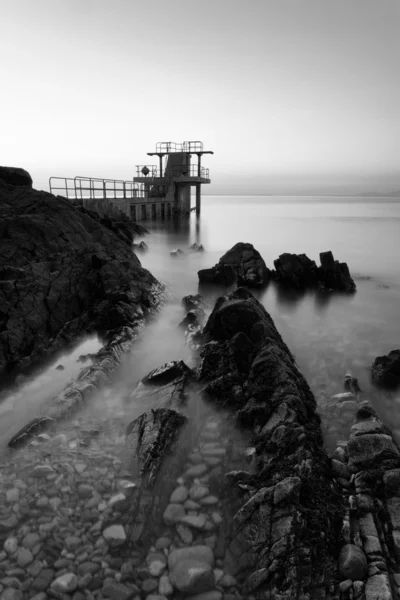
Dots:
pixel 183 198
pixel 198 198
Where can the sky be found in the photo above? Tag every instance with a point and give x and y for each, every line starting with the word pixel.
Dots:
pixel 291 95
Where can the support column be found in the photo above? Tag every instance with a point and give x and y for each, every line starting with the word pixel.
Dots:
pixel 160 157
pixel 199 165
pixel 198 198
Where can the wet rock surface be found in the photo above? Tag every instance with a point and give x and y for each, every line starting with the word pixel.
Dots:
pixel 242 264
pixel 386 370
pixel 63 272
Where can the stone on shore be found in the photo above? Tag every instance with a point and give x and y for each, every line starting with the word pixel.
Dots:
pixel 352 563
pixel 192 576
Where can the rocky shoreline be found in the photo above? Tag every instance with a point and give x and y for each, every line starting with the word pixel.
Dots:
pixel 64 271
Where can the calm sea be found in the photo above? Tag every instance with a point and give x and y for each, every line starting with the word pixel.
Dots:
pixel 328 338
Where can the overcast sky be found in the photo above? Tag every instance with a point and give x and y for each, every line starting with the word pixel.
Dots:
pixel 281 90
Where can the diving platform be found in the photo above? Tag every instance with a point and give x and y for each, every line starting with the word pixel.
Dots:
pixel 155 192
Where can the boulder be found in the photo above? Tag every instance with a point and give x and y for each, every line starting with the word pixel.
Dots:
pixel 352 563
pixel 296 271
pixel 193 302
pixel 366 451
pixel 242 264
pixel 335 275
pixel 192 576
pixel 15 176
pixel 300 272
pixel 200 553
pixel 386 370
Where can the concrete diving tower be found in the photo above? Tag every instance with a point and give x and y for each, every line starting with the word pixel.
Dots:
pixel 167 185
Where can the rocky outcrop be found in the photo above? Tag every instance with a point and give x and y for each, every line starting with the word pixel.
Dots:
pixel 15 176
pixel 300 272
pixel 367 470
pixel 63 272
pixel 166 386
pixel 386 370
pixel 241 264
pixel 285 536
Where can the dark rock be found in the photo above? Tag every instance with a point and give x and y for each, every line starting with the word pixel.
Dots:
pixel 352 563
pixel 369 450
pixel 218 275
pixel 157 446
pixel 386 370
pixel 193 302
pixel 246 365
pixel 60 368
pixel 167 386
pixel 37 425
pixel 334 275
pixel 141 247
pixel 241 264
pixel 296 270
pixel 300 272
pixel 15 176
pixel 351 384
pixel 197 247
pixel 51 288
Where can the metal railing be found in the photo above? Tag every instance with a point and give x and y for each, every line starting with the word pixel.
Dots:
pixel 170 147
pixel 190 171
pixel 92 187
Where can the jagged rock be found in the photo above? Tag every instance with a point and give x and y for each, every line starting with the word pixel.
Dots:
pixel 246 365
pixel 334 275
pixel 386 370
pixel 51 287
pixel 157 446
pixel 141 247
pixel 36 426
pixel 176 252
pixel 193 302
pixel 167 385
pixel 296 270
pixel 300 272
pixel 352 563
pixel 15 176
pixel 242 264
pixel 197 247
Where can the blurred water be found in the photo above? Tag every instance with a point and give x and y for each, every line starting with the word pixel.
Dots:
pixel 328 337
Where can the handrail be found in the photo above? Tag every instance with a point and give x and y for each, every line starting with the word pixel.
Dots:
pixel 170 147
pixel 93 187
